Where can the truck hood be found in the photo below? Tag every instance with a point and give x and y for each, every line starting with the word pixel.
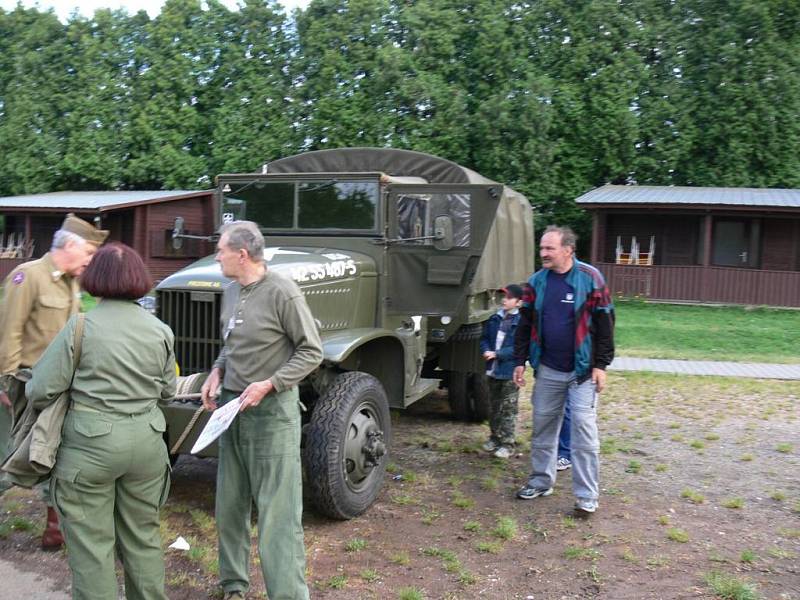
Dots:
pixel 307 266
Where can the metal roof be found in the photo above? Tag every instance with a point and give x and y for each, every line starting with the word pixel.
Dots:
pixel 647 194
pixel 98 201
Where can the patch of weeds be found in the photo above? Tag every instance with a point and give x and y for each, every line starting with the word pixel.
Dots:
pixel 676 437
pixel 733 503
pixel 392 468
pixel 429 516
pixel 660 468
pixel 445 446
pixel 369 575
pixel 728 587
pixel 796 507
pixel 674 426
pixel 634 466
pixel 746 457
pixel 748 556
pixel 593 574
pixel 692 496
pixel 489 547
pixel 576 552
pixel 608 445
pixel 337 582
pixel 21 524
pixel 409 476
pixel 778 496
pixel 789 533
pixel 677 535
pixel 569 522
pixel 355 545
pixel 697 444
pixel 455 481
pixel 663 520
pixel 784 447
pixel 659 560
pixel 629 556
pixel 780 553
pixel 403 499
pixel 462 501
pixel 712 437
pixel 401 558
pixel 410 593
pixel 472 526
pixel 489 484
pixel 506 528
pixel 466 578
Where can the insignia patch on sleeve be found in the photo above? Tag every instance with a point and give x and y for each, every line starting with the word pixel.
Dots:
pixel 19 278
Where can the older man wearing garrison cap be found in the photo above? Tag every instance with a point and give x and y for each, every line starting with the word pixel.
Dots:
pixel 38 298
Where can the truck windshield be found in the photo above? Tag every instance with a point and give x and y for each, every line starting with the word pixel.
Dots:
pixel 316 205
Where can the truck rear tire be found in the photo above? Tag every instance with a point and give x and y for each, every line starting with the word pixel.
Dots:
pixel 346 445
pixel 468 395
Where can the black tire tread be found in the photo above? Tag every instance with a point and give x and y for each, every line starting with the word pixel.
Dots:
pixel 323 446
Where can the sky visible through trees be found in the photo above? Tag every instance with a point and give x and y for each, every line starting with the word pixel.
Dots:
pixel 552 97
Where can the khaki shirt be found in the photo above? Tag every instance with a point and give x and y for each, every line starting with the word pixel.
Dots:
pixel 269 333
pixel 127 363
pixel 37 301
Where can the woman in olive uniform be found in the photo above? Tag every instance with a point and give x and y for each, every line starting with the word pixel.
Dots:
pixel 112 470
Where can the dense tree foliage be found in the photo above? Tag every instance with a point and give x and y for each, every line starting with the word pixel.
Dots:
pixel 553 97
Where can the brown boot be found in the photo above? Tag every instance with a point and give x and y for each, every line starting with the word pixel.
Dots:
pixel 52 539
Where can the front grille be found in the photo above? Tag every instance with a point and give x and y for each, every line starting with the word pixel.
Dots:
pixel 194 319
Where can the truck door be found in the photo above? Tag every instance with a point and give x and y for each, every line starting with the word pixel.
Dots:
pixel 436 237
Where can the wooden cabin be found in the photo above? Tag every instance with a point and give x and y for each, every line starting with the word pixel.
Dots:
pixel 698 244
pixel 142 220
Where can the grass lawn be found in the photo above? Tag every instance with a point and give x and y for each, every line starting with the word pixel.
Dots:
pixel 707 332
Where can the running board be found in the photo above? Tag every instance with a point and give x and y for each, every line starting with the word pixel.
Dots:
pixel 420 390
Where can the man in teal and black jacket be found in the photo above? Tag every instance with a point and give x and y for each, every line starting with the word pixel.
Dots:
pixel 566 331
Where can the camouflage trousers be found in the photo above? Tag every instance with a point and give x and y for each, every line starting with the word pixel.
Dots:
pixel 504 396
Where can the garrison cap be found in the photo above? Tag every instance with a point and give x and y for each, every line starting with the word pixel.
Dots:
pixel 84 229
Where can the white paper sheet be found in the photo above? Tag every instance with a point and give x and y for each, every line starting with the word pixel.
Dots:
pixel 220 420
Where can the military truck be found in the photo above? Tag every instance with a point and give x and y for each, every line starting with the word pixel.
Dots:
pixel 401 257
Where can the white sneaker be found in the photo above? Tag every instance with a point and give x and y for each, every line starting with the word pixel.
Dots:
pixel 563 464
pixel 585 505
pixel 490 446
pixel 502 452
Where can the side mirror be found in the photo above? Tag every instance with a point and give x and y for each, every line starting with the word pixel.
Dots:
pixel 177 233
pixel 443 232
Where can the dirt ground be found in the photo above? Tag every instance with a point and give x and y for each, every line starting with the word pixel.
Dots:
pixel 699 476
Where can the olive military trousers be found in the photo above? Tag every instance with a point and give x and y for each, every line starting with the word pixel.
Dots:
pixel 16 394
pixel 259 461
pixel 110 479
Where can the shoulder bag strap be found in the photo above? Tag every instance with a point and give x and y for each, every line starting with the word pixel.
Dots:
pixel 77 343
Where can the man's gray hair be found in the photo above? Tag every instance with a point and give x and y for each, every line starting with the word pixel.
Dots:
pixel 568 237
pixel 62 237
pixel 244 235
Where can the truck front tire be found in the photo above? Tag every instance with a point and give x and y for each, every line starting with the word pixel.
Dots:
pixel 346 445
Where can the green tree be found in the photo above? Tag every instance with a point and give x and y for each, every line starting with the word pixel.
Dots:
pixel 31 139
pixel 253 120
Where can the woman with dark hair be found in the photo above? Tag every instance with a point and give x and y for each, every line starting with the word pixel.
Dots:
pixel 111 475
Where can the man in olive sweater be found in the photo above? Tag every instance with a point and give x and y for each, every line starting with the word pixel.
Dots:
pixel 271 344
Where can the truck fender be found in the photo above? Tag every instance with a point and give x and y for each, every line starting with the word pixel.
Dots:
pixel 338 345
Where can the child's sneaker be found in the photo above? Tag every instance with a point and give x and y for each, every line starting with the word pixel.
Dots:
pixel 490 446
pixel 502 452
pixel 563 464
pixel 529 492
